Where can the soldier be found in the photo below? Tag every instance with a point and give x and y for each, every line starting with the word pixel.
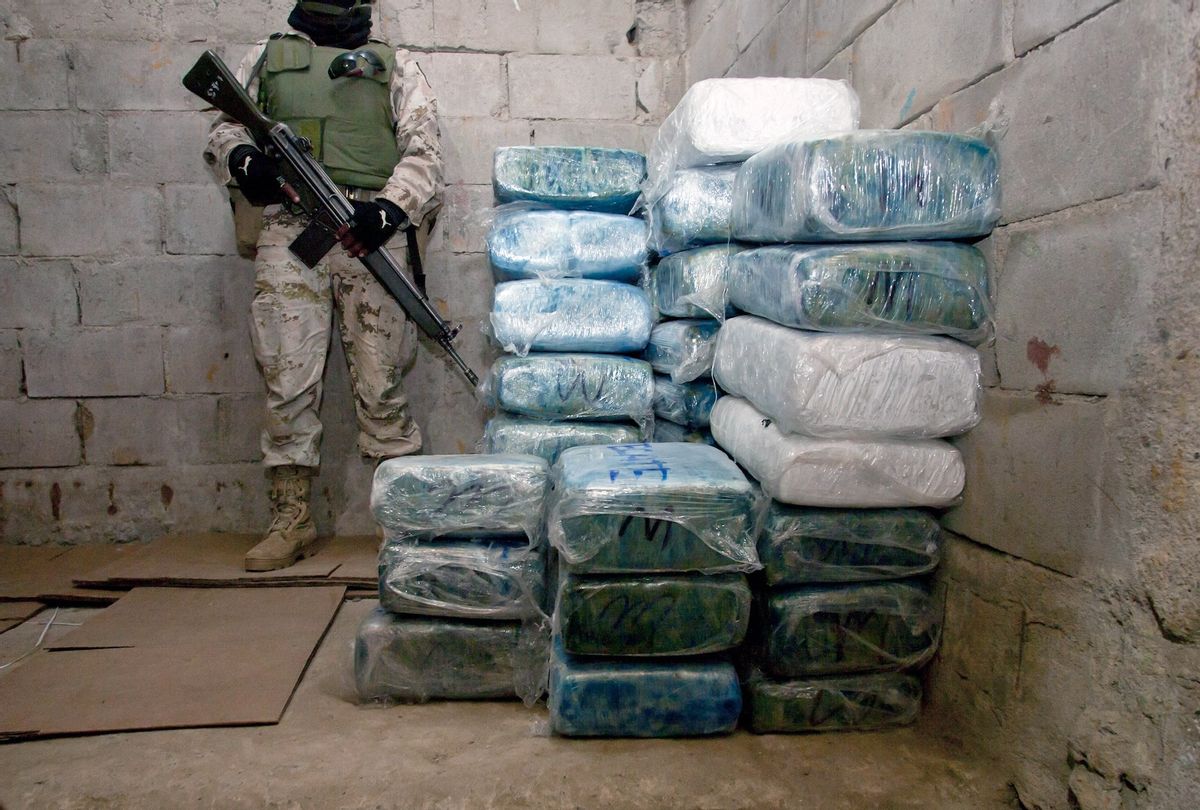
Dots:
pixel 372 120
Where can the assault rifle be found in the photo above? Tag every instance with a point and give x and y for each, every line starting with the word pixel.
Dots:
pixel 320 199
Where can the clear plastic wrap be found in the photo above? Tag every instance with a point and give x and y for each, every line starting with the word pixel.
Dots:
pixel 837 472
pixel 572 386
pixel 683 349
pixel 872 185
pixel 687 404
pixel 413 659
pixel 847 703
pixel 656 615
pixel 692 284
pixel 571 315
pixel 801 545
pixel 693 485
pixel 697 209
pixel 917 288
pixel 665 431
pixel 614 698
pixel 426 496
pixel 482 578
pixel 843 629
pixel 572 177
pixel 850 386
pixel 528 242
pixel 509 434
pixel 728 120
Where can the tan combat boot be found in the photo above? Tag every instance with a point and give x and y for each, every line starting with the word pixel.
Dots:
pixel 292 532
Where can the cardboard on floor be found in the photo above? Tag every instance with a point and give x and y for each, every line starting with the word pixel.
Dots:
pixel 48 573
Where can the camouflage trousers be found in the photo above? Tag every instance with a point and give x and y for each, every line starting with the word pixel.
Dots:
pixel 292 325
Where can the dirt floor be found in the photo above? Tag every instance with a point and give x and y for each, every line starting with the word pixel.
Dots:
pixel 329 752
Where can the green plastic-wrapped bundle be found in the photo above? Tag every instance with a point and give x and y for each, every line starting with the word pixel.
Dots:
pixel 803 545
pixel 572 177
pixel 665 431
pixel 631 544
pixel 854 702
pixel 660 615
pixel 686 404
pixel 508 434
pixel 847 629
pixel 572 386
pixel 692 284
pixel 683 349
pixel 695 210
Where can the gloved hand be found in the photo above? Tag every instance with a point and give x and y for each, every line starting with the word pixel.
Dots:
pixel 373 224
pixel 258 177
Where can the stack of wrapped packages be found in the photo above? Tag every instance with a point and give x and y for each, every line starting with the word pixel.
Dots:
pixel 568 309
pixel 654 541
pixel 688 196
pixel 853 362
pixel 462 580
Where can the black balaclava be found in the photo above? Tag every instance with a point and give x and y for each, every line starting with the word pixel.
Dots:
pixel 334 23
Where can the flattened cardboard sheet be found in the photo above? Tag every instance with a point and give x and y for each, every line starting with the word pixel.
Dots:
pixel 171 658
pixel 15 613
pixel 47 573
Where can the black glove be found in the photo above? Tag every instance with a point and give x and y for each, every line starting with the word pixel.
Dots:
pixel 257 175
pixel 373 224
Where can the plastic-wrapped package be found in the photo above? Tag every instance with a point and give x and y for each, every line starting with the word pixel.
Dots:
pixel 571 315
pixel 527 242
pixel 572 386
pixel 850 386
pixel 688 404
pixel 693 485
pixel 573 177
pixel 645 698
pixel 918 288
pixel 426 496
pixel 641 545
pixel 683 349
pixel 862 473
pixel 418 658
pixel 508 434
pixel 872 185
pixel 727 120
pixel 665 431
pixel 484 578
pixel 697 209
pixel 843 629
pixel 800 545
pixel 692 284
pixel 853 702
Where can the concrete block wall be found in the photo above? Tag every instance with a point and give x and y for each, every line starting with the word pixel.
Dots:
pixel 128 391
pixel 1072 616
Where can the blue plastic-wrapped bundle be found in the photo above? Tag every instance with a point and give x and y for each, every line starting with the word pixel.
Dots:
pixel 917 288
pixel 527 242
pixel 850 702
pixel 692 284
pixel 573 386
pixel 665 431
pixel 480 578
pixel 571 315
pixel 871 185
pixel 683 349
pixel 693 485
pixel 688 404
pixel 570 177
pixel 614 698
pixel 833 630
pixel 507 434
pixel 696 210
pixel 803 545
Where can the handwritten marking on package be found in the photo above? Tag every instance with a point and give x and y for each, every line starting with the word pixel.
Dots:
pixel 636 460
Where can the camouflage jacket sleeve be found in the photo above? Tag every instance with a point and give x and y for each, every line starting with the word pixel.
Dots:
pixel 226 134
pixel 416 183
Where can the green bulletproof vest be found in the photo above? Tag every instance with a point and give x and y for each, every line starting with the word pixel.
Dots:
pixel 348 120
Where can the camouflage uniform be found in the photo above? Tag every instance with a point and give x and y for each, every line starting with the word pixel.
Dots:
pixel 292 311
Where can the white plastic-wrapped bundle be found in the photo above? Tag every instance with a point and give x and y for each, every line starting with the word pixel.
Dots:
pixel 686 404
pixel 683 349
pixel 572 177
pixel 917 288
pixel 727 120
pixel 507 434
pixel 692 284
pixel 697 209
pixel 571 315
pixel 850 386
pixel 531 242
pixel 837 472
pixel 572 386
pixel 873 185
